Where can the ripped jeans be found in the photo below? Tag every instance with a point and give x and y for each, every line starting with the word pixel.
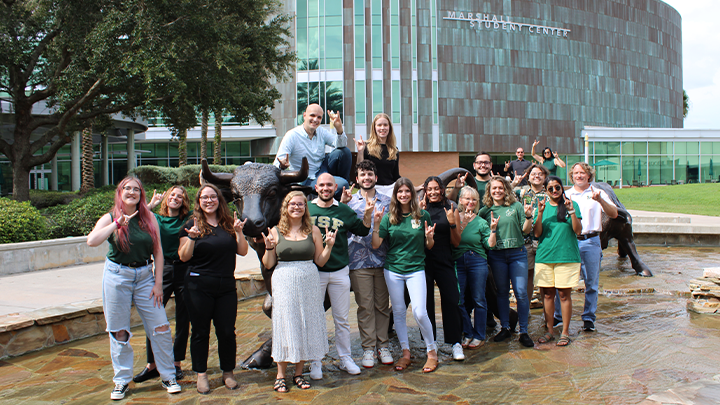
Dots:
pixel 123 286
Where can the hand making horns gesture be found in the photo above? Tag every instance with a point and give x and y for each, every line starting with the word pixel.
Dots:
pixel 346 194
pixel 378 216
pixel 461 180
pixel 335 120
pixel 156 198
pixel 270 241
pixel 359 144
pixel 193 232
pixel 284 163
pixel 528 209
pixel 429 231
pixel 494 221
pixel 330 237
pixel 238 225
pixel 467 215
pixel 541 205
pixel 568 204
pixel 423 203
pixel 595 194
pixel 370 205
pixel 450 214
pixel 125 219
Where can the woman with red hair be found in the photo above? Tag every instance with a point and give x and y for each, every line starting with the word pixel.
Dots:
pixel 132 232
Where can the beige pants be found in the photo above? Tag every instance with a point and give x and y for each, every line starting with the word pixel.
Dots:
pixel 373 313
pixel 531 251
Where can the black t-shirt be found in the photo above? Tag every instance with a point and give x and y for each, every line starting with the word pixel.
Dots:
pixel 388 171
pixel 518 168
pixel 214 254
pixel 442 249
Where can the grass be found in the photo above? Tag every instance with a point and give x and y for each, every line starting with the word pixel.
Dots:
pixel 697 199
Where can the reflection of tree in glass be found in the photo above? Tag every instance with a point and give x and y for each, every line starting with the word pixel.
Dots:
pixel 328 94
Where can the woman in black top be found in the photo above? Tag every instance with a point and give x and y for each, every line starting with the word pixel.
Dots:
pixel 439 266
pixel 209 243
pixel 381 149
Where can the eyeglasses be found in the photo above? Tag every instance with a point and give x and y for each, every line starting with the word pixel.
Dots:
pixel 133 189
pixel 206 198
pixel 484 163
pixel 296 205
pixel 537 174
pixel 555 188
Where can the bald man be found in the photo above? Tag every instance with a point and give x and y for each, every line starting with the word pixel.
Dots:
pixel 309 140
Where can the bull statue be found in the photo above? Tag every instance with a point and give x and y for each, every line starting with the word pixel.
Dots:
pixel 620 228
pixel 257 190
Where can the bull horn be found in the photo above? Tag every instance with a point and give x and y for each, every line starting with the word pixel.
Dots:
pixel 449 175
pixel 287 177
pixel 221 180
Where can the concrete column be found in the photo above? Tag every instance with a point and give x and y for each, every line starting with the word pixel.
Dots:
pixel 131 149
pixel 105 166
pixel 54 174
pixel 75 155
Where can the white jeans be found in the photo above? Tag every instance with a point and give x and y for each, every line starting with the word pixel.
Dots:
pixel 337 284
pixel 418 299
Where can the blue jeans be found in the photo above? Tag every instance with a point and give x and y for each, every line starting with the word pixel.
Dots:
pixel 123 286
pixel 591 256
pixel 510 265
pixel 338 163
pixel 472 273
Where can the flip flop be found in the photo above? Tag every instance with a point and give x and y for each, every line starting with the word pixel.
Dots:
pixel 402 364
pixel 546 338
pixel 564 340
pixel 430 365
pixel 475 343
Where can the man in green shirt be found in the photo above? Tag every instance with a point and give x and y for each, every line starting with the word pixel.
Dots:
pixel 327 214
pixel 483 174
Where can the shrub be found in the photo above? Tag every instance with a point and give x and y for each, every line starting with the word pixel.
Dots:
pixel 43 198
pixel 188 175
pixel 79 217
pixel 155 174
pixel 20 222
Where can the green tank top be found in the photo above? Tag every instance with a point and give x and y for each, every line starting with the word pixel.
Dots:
pixel 551 166
pixel 141 244
pixel 295 250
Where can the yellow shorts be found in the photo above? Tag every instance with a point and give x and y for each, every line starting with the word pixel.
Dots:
pixel 558 275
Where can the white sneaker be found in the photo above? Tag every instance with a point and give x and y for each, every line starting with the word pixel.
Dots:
pixel 171 386
pixel 368 360
pixel 458 354
pixel 347 364
pixel 119 391
pixel 316 370
pixel 385 356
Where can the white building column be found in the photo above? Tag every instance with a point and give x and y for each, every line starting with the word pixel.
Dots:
pixel 105 166
pixel 130 149
pixel 54 174
pixel 75 155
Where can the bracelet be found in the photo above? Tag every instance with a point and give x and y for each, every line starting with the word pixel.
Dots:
pixel 117 224
pixel 493 231
pixel 272 248
pixel 453 226
pixel 191 238
pixel 528 217
pixel 377 232
pixel 571 212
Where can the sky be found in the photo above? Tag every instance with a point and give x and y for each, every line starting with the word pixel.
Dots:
pixel 701 60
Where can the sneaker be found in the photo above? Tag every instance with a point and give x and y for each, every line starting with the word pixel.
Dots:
pixel 146 374
pixel 179 373
pixel 347 364
pixel 502 335
pixel 368 360
pixel 171 386
pixel 457 351
pixel 588 326
pixel 119 391
pixel 525 340
pixel 316 370
pixel 385 356
pixel 557 322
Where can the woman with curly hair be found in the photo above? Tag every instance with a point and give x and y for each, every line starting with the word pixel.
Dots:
pixel 549 159
pixel 382 150
pixel 128 278
pixel 299 330
pixel 508 258
pixel 409 231
pixel 209 243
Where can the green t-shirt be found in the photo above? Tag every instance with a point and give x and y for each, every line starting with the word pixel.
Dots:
pixel 141 244
pixel 550 165
pixel 509 230
pixel 406 243
pixel 341 218
pixel 170 234
pixel 474 238
pixel 558 242
pixel 481 188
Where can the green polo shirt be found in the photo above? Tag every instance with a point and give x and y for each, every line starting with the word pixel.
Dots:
pixel 406 243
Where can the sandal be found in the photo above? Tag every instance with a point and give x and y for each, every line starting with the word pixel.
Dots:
pixel 301 382
pixel 564 340
pixel 280 386
pixel 465 342
pixel 546 338
pixel 430 365
pixel 475 343
pixel 402 364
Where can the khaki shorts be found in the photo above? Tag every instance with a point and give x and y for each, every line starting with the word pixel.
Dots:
pixel 558 275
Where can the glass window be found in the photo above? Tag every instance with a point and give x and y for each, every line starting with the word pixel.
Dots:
pixel 334 98
pixel 396 102
pixel 660 148
pixel 660 170
pixel 607 168
pixel 377 39
pixel 686 169
pixel 377 97
pixel 232 148
pixel 435 101
pixel 687 148
pixel 395 34
pixel 245 148
pixel 359 34
pixel 709 169
pixel 360 101
pixel 414 100
pixel 173 149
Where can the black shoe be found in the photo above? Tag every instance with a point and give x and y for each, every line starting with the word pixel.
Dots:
pixel 513 321
pixel 525 340
pixel 146 374
pixel 502 335
pixel 179 373
pixel 588 326
pixel 557 322
pixel 119 392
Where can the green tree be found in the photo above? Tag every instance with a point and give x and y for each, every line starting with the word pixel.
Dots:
pixel 82 59
pixel 686 104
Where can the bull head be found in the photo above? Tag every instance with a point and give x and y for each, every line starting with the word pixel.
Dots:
pixel 257 190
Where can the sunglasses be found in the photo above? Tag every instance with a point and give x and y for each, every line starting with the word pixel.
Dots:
pixel 555 188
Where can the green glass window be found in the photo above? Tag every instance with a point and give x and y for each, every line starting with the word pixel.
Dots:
pixel 605 170
pixel 435 100
pixel 301 36
pixel 360 101
pixel 395 34
pixel 687 148
pixel 245 148
pixel 396 101
pixel 660 148
pixel 414 100
pixel 377 39
pixel 232 148
pixel 359 34
pixel 377 97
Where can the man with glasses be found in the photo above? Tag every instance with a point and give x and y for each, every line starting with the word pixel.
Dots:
pixel 536 175
pixel 483 173
pixel 518 167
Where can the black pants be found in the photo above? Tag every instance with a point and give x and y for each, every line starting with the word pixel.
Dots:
pixel 173 280
pixel 442 273
pixel 213 299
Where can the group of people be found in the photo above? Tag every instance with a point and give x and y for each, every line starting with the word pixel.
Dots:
pixel 390 242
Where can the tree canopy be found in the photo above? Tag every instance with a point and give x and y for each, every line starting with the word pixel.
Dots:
pixel 89 58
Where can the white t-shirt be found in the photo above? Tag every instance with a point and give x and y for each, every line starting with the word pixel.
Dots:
pixel 590 209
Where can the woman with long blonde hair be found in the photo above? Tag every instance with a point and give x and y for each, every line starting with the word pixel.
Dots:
pixel 409 230
pixel 381 149
pixel 295 248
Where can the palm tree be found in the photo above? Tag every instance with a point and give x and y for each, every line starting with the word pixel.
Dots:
pixel 203 133
pixel 218 136
pixel 326 94
pixel 182 145
pixel 87 168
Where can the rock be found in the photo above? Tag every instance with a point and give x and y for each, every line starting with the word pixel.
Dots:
pixel 711 272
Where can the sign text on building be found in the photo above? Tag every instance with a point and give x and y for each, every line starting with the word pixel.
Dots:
pixel 490 21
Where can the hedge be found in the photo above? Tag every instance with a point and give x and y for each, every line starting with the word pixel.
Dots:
pixel 79 217
pixel 20 222
pixel 44 198
pixel 188 176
